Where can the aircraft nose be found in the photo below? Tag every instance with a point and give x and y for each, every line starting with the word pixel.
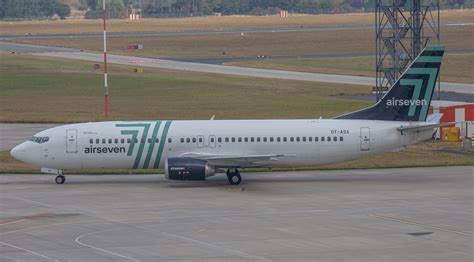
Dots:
pixel 19 152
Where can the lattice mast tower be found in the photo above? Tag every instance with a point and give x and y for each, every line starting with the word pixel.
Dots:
pixel 402 29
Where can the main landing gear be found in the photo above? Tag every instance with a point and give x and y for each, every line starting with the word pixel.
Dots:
pixel 60 179
pixel 234 177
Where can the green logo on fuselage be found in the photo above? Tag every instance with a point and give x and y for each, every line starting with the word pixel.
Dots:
pixel 138 134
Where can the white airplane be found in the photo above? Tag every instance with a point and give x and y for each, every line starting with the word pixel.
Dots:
pixel 194 150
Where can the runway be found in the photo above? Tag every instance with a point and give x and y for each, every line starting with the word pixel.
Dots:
pixel 410 214
pixel 235 70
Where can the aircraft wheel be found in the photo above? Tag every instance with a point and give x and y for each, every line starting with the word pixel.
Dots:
pixel 60 179
pixel 234 177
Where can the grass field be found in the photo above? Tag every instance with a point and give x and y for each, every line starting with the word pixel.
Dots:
pixel 204 23
pixel 427 153
pixel 251 44
pixel 36 89
pixel 457 67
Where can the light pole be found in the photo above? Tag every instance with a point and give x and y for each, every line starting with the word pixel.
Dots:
pixel 106 88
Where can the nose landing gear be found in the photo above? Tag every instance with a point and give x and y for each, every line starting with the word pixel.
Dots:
pixel 234 177
pixel 60 179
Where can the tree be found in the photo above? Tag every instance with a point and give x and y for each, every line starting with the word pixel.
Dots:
pixel 63 10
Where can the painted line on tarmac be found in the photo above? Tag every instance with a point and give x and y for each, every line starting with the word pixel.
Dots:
pixel 101 249
pixel 221 248
pixel 44 226
pixel 12 222
pixel 32 201
pixel 29 251
pixel 404 221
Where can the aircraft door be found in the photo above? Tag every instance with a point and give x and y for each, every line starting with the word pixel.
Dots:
pixel 200 141
pixel 364 139
pixel 212 141
pixel 71 141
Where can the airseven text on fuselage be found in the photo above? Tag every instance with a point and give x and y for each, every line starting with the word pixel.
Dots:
pixel 104 150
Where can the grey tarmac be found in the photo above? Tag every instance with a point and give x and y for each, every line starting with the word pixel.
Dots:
pixel 409 214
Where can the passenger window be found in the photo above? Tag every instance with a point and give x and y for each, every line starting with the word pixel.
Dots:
pixel 194 140
pixel 104 141
pixel 200 140
pixel 246 139
pixel 240 139
pixel 128 140
pixel 316 139
pixel 258 139
pixel 233 139
pixel 157 140
pixel 304 139
pixel 227 140
pixel 284 139
pixel 265 139
pixel 322 139
pixel 278 139
pixel 91 141
pixel 341 138
pixel 188 140
pixel 292 139
pixel 329 139
pixel 122 140
pixel 136 140
pixel 142 140
pixel 181 140
pixel 169 140
pixel 271 139
pixel 335 139
pixel 219 139
pixel 310 139
pixel 252 139
pixel 110 140
pixel 298 139
pixel 97 141
pixel 212 139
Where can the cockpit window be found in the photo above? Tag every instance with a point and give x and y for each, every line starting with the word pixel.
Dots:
pixel 39 139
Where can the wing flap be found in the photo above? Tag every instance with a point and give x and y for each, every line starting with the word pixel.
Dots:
pixel 237 160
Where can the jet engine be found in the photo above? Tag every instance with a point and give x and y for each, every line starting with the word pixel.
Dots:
pixel 185 168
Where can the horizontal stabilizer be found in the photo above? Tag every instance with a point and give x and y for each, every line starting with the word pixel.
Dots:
pixel 417 128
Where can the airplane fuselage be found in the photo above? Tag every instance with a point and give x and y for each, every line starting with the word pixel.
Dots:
pixel 147 144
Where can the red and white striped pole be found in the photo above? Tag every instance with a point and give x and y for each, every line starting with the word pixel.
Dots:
pixel 106 88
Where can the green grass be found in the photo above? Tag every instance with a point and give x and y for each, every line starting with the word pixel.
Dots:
pixel 34 89
pixel 456 67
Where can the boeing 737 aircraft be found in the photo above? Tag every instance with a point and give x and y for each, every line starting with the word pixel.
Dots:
pixel 194 150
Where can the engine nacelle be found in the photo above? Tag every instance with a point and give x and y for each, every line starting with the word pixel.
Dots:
pixel 185 168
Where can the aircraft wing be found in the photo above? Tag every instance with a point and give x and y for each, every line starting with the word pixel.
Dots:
pixel 237 160
pixel 416 128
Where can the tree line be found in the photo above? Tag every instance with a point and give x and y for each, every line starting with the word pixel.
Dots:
pixel 33 9
pixel 157 8
pixel 178 8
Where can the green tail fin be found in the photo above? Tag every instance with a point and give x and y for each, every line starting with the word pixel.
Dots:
pixel 409 98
